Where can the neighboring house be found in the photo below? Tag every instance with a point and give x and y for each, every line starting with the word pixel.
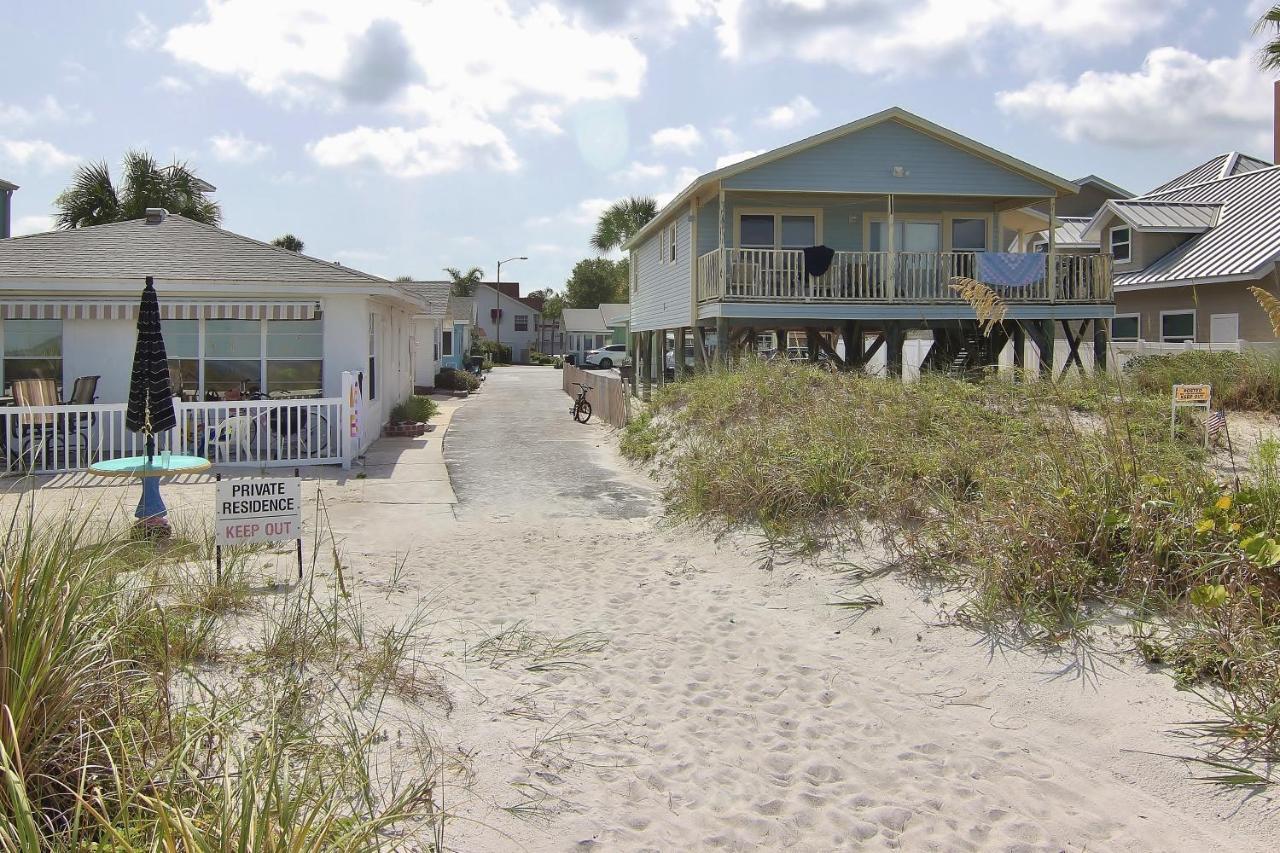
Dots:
pixel 430 325
pixel 551 339
pixel 6 208
pixel 456 345
pixel 239 316
pixel 1187 252
pixel 585 329
pixel 617 316
pixel 506 318
pixel 906 206
pixel 1074 213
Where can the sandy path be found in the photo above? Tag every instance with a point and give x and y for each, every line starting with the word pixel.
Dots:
pixel 730 707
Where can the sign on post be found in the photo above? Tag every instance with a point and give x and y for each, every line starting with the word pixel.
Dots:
pixel 258 510
pixel 1190 396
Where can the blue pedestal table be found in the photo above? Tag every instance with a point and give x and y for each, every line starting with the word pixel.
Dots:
pixel 151 512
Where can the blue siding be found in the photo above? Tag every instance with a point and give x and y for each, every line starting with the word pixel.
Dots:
pixel 708 232
pixel 663 298
pixel 862 162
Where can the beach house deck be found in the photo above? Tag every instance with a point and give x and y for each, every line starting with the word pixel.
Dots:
pixel 854 238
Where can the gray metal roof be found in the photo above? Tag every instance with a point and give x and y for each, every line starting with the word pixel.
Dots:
pixel 1070 233
pixel 434 295
pixel 174 249
pixel 1216 168
pixel 1176 216
pixel 584 320
pixel 1244 243
pixel 615 313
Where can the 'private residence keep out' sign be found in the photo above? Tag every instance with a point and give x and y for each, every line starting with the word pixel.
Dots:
pixel 258 510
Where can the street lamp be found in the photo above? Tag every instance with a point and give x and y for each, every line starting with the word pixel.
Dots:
pixel 497 305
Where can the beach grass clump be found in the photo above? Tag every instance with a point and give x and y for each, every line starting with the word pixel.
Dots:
pixel 1043 502
pixel 1247 381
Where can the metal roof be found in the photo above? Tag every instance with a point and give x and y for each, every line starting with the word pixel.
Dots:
pixel 615 313
pixel 584 320
pixel 434 295
pixel 1245 242
pixel 6 185
pixel 173 249
pixel 1070 233
pixel 1146 215
pixel 1216 168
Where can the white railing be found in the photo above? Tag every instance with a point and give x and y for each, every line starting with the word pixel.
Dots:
pixel 779 275
pixel 257 433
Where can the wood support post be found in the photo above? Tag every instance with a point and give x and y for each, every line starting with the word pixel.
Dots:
pixel 700 347
pixel 811 341
pixel 635 364
pixel 1019 336
pixel 1045 343
pixel 1100 345
pixel 781 335
pixel 657 349
pixel 722 342
pixel 851 334
pixel 894 340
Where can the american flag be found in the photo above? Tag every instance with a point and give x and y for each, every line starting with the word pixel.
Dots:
pixel 1216 423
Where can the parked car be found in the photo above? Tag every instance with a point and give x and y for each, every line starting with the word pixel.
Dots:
pixel 606 356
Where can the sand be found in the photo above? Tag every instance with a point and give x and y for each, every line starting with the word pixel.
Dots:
pixel 658 690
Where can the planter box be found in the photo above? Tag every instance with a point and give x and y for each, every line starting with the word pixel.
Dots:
pixel 404 429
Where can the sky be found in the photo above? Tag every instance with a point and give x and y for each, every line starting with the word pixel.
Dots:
pixel 402 136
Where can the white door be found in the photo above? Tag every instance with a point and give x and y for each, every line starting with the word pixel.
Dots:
pixel 1224 328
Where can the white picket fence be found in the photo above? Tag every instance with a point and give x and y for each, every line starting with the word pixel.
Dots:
pixel 256 433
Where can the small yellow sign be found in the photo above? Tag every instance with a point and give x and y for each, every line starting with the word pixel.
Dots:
pixel 1191 393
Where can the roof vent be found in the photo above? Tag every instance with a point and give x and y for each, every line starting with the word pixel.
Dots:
pixel 156 215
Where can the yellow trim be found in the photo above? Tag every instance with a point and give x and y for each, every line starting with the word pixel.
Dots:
pixel 777 213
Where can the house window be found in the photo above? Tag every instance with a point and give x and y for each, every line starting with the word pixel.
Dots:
pixel 1126 327
pixel 233 355
pixel 182 346
pixel 1121 243
pixel 799 232
pixel 32 350
pixel 671 243
pixel 295 357
pixel 968 235
pixel 760 230
pixel 1177 326
pixel 446 343
pixel 522 322
pixel 755 231
pixel 373 356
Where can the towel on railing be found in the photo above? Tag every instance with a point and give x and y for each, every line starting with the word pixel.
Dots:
pixel 817 259
pixel 1011 269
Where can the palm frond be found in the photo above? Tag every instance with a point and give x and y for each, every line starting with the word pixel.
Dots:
pixel 621 220
pixel 90 199
pixel 1269 54
pixel 1270 306
pixel 986 303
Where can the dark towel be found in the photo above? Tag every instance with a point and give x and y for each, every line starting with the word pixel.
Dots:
pixel 150 407
pixel 817 259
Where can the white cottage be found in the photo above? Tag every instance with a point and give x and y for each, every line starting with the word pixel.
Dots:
pixel 242 319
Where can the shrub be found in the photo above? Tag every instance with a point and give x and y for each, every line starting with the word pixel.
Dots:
pixel 1248 381
pixel 451 379
pixel 492 350
pixel 417 409
pixel 558 363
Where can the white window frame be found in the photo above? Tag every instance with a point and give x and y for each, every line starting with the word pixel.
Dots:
pixel 1127 243
pixel 672 243
pixel 515 322
pixel 1179 338
pixel 777 214
pixel 1137 317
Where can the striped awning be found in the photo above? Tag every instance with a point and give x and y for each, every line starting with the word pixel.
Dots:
pixel 173 309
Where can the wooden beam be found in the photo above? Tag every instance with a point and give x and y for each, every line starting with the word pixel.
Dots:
pixel 871 350
pixel 894 340
pixel 811 340
pixel 826 347
pixel 1099 346
pixel 1073 346
pixel 700 347
pixel 1046 347
pixel 722 341
pixel 1019 336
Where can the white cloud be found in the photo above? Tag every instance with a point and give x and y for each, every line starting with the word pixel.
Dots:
pixel 33 224
pixel 451 71
pixel 725 136
pixel 684 138
pixel 683 177
pixel 360 255
pixel 639 173
pixel 796 111
pixel 237 149
pixel 585 212
pixel 1174 99
pixel 36 154
pixel 173 85
pixel 49 110
pixel 913 36
pixel 143 35
pixel 738 157
pixel 417 152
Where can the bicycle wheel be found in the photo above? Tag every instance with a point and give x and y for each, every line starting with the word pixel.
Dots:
pixel 582 413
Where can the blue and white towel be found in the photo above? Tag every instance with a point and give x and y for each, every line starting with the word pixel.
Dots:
pixel 1011 269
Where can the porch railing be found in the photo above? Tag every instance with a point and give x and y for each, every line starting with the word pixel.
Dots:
pixel 779 275
pixel 257 433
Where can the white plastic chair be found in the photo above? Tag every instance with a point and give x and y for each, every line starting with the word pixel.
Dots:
pixel 234 432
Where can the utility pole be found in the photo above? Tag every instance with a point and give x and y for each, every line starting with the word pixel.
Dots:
pixel 497 304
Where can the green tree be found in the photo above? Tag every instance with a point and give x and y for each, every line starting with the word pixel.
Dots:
pixel 404 278
pixel 288 241
pixel 552 303
pixel 621 220
pixel 93 199
pixel 464 283
pixel 596 280
pixel 1269 56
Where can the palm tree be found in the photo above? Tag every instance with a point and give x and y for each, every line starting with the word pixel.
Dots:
pixel 1269 56
pixel 92 198
pixel 464 283
pixel 288 241
pixel 621 220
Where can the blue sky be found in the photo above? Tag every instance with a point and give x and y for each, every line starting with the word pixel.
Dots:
pixel 401 136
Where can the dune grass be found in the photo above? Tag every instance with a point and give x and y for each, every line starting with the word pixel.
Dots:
pixel 1040 501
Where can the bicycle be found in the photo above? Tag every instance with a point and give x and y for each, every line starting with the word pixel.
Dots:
pixel 581 409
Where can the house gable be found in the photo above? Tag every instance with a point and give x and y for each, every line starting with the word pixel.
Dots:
pixel 866 161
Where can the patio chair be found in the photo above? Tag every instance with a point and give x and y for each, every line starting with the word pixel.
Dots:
pixel 78 425
pixel 29 434
pixel 234 432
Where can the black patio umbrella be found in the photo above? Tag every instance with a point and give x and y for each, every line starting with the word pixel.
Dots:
pixel 150 395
